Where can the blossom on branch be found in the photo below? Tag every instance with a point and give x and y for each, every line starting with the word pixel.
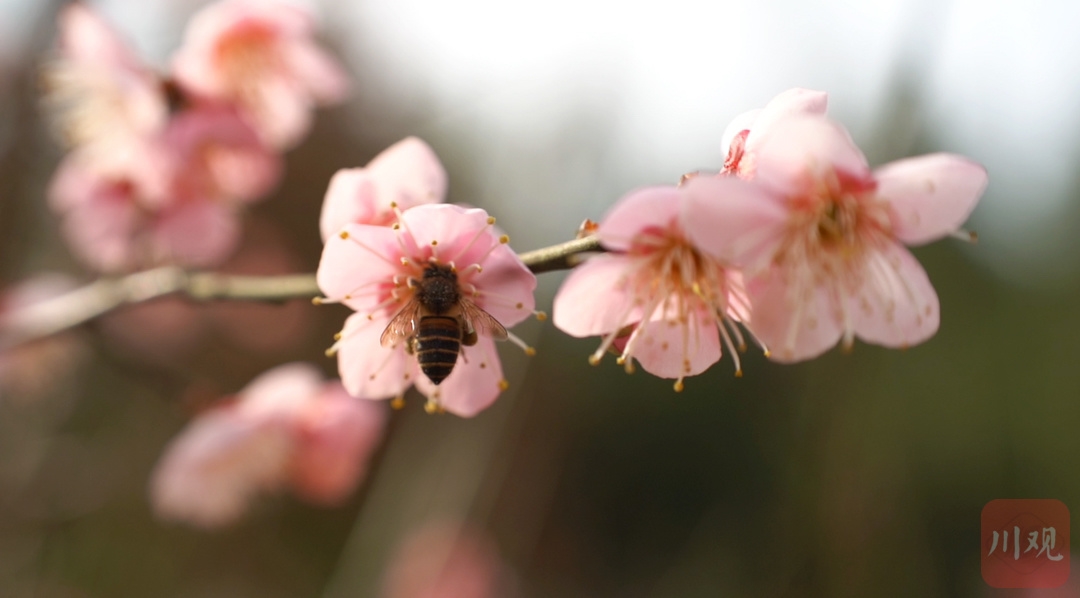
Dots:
pixel 407 174
pixel 656 297
pixel 382 272
pixel 288 429
pixel 259 55
pixel 823 247
pixel 177 203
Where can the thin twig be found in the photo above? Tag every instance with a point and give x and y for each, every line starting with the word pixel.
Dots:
pixel 67 311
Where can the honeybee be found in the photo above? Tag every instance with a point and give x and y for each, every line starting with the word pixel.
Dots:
pixel 437 321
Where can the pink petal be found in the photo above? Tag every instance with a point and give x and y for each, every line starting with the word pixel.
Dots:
pixel 801 150
pixel 369 370
pixel 460 235
pixel 474 384
pixel 86 37
pixel 740 123
pixel 930 196
pixel 281 114
pixel 210 472
pixel 407 173
pixel 793 102
pixel 793 328
pixel 736 222
pixel 672 350
pixel 101 234
pixel 283 389
pixel 593 300
pixel 351 197
pixel 338 435
pixel 196 233
pixel 358 265
pixel 317 72
pixel 655 207
pixel 897 306
pixel 506 287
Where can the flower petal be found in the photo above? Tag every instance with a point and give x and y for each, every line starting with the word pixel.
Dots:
pixel 656 207
pixel 740 123
pixel 930 195
pixel 408 173
pixel 281 389
pixel 317 71
pixel 450 233
pixel 593 300
pixel 350 198
pixel 358 268
pixel 897 306
pixel 505 287
pixel 369 370
pixel 735 221
pixel 801 150
pixel 196 233
pixel 474 384
pixel 793 327
pixel 793 102
pixel 670 349
pixel 338 434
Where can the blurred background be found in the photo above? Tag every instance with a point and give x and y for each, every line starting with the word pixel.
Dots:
pixel 852 475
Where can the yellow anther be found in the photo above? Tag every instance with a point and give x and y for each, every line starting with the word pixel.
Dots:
pixel 504 239
pixel 398 402
pixel 337 336
pixel 679 386
pixel 491 220
pixel 330 352
pixel 541 316
pixel 431 407
pixel 434 242
pixel 530 351
pixel 316 300
pixel 594 360
pixel 519 305
pixel 738 373
pixel 503 384
pixel 393 205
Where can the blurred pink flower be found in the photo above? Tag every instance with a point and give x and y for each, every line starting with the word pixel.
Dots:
pixel 260 56
pixel 101 95
pixel 823 250
pixel 34 369
pixel 407 173
pixel 375 271
pixel 447 560
pixel 656 297
pixel 750 129
pixel 288 429
pixel 177 203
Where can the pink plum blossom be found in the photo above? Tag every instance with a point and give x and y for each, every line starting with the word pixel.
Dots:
pixel 177 204
pixel 407 173
pixel 656 297
pixel 375 270
pixel 823 250
pixel 750 129
pixel 259 55
pixel 288 429
pixel 101 95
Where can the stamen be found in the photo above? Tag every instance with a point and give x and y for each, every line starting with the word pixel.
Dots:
pixel 504 384
pixel 398 402
pixel 540 316
pixel 679 386
pixel 372 251
pixel 432 406
pixel 479 233
pixel 510 336
pixel 731 349
pixel 969 236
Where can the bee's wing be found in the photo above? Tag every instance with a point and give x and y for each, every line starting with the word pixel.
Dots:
pixel 481 321
pixel 402 326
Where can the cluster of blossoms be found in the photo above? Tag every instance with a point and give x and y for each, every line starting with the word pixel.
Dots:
pixel 796 239
pixel 288 429
pixel 160 166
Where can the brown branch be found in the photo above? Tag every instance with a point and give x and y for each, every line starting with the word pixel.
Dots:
pixel 82 305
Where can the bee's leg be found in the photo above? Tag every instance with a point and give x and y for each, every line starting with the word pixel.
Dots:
pixel 411 346
pixel 469 338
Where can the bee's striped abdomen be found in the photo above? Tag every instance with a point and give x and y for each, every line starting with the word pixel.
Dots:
pixel 438 342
